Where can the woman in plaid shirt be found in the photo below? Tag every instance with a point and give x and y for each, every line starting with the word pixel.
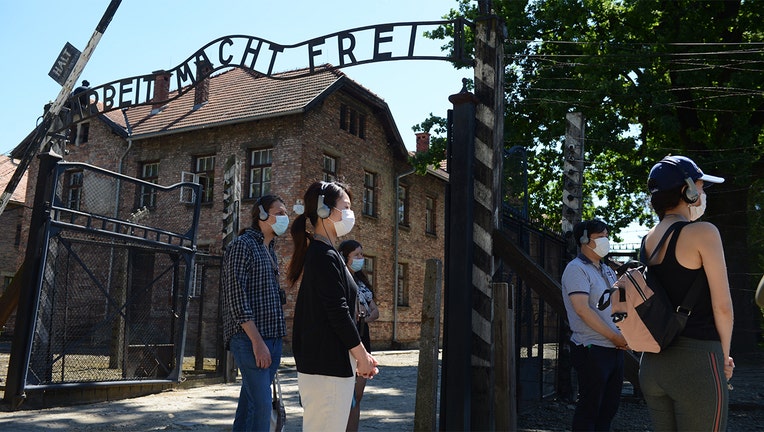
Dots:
pixel 253 317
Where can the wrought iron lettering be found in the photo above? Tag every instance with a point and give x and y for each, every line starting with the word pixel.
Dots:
pixel 389 42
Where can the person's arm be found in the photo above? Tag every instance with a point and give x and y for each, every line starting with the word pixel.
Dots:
pixel 262 353
pixel 366 364
pixel 580 302
pixel 374 312
pixel 709 245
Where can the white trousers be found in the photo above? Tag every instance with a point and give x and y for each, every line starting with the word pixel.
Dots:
pixel 326 401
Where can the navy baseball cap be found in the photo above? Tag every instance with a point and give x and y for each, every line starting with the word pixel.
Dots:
pixel 671 171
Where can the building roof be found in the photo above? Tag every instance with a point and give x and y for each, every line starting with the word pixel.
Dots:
pixel 239 95
pixel 7 168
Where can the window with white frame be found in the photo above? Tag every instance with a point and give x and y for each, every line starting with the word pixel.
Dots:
pixel 330 168
pixel 403 200
pixel 204 174
pixel 148 194
pixel 369 193
pixel 260 162
pixel 403 289
pixel 74 189
pixel 197 282
pixel 205 169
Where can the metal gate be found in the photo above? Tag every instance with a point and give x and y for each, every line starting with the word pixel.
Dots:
pixel 109 295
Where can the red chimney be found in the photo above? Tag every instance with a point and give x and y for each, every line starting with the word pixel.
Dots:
pixel 161 88
pixel 202 90
pixel 422 141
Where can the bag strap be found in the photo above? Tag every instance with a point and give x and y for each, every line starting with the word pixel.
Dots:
pixel 675 226
pixel 692 295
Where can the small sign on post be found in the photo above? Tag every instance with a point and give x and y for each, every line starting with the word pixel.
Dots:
pixel 64 63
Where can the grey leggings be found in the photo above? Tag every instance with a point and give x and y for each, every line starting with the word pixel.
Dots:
pixel 685 387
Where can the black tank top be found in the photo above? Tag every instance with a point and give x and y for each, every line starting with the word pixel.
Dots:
pixel 677 280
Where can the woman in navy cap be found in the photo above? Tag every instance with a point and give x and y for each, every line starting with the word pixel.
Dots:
pixel 685 385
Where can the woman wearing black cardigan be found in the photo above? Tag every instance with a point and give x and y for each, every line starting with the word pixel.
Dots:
pixel 325 341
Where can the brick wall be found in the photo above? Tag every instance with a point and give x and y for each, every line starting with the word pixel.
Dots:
pixel 299 143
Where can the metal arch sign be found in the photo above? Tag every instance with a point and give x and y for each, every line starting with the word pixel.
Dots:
pixel 262 56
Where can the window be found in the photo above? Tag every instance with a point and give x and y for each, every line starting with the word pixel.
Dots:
pixel 73 189
pixel 429 215
pixel 149 173
pixel 83 130
pixel 368 268
pixel 17 240
pixel 353 121
pixel 344 117
pixel 403 289
pixel 330 168
pixel 260 172
pixel 403 199
pixel 369 195
pixel 204 168
pixel 362 126
pixel 195 290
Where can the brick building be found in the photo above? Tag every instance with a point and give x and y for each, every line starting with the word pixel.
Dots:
pixel 284 134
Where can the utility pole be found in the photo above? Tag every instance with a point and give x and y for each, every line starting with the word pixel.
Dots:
pixel 62 71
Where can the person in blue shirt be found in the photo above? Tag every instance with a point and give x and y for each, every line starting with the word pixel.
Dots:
pixel 253 315
pixel 596 343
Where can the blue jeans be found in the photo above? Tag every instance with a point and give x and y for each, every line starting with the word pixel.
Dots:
pixel 254 410
pixel 600 378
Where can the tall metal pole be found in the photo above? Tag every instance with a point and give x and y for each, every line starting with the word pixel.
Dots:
pixel 41 138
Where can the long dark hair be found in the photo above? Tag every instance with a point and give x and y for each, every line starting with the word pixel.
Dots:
pixel 266 201
pixel 332 191
pixel 345 248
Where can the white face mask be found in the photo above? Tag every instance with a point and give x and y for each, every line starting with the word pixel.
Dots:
pixel 697 211
pixel 281 224
pixel 601 246
pixel 344 225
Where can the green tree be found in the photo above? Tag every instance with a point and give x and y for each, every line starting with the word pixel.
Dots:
pixel 652 78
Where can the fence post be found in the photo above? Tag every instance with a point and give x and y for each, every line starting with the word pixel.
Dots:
pixel 505 403
pixel 29 295
pixel 427 378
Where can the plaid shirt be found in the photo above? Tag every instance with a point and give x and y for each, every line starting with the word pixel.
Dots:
pixel 251 287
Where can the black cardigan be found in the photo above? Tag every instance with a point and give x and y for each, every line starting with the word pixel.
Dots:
pixel 324 329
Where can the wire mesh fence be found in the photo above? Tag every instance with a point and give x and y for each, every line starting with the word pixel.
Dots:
pixel 113 287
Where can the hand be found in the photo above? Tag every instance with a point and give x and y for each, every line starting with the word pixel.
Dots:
pixel 620 342
pixel 262 354
pixel 729 366
pixel 367 366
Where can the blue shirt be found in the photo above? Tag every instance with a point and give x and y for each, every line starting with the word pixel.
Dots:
pixel 580 277
pixel 251 287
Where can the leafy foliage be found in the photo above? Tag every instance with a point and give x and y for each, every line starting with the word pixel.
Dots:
pixel 651 78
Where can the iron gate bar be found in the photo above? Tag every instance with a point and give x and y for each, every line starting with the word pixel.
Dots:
pixel 35 354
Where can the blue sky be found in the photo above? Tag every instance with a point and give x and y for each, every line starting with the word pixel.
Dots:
pixel 147 35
